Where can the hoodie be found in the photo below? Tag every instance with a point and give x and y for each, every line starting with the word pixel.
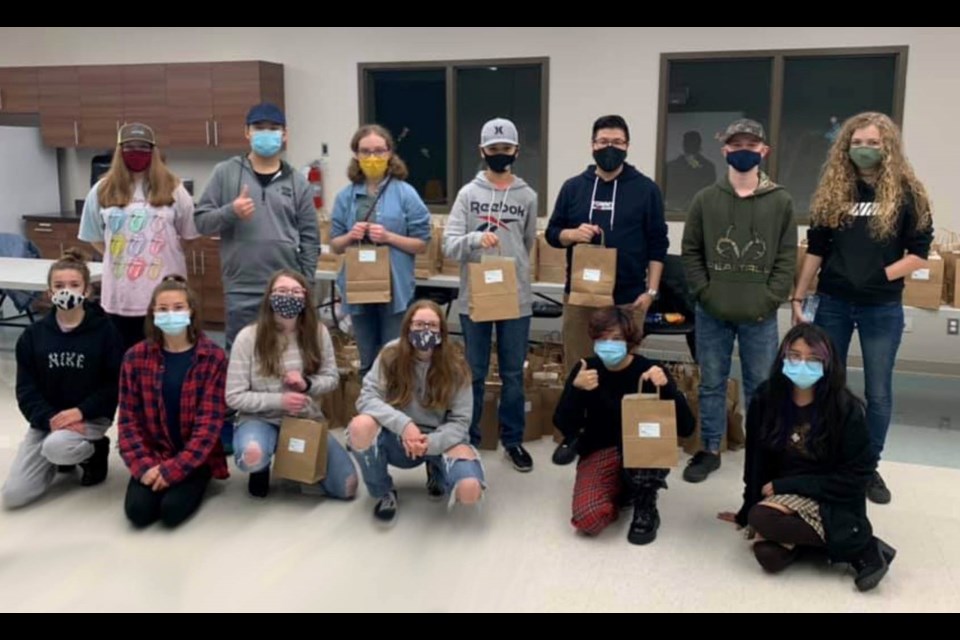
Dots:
pixel 59 370
pixel 629 209
pixel 281 234
pixel 740 254
pixel 509 213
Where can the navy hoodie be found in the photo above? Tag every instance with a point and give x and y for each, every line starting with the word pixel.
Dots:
pixel 77 369
pixel 633 224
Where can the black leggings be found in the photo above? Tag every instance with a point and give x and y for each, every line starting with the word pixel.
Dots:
pixel 778 528
pixel 172 506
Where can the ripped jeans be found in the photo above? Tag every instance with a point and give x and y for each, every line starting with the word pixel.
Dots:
pixel 388 450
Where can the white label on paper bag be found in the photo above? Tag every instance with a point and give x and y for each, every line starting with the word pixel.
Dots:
pixel 648 430
pixel 368 255
pixel 920 274
pixel 297 445
pixel 591 275
pixel 493 276
pixel 528 407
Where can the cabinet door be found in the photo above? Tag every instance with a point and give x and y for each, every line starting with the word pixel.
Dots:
pixel 237 86
pixel 59 106
pixel 19 90
pixel 145 98
pixel 101 106
pixel 189 89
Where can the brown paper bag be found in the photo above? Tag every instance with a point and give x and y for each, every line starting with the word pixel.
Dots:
pixel 736 436
pixel 924 287
pixel 551 262
pixel 489 420
pixel 649 432
pixel 301 451
pixel 493 290
pixel 367 274
pixel 549 399
pixel 593 275
pixel 427 264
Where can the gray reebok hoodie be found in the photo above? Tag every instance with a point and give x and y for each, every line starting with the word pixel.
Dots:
pixel 511 214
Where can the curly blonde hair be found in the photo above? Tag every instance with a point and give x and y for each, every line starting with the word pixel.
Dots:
pixel 836 193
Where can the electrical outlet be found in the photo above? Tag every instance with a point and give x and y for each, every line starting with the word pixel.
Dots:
pixel 953 326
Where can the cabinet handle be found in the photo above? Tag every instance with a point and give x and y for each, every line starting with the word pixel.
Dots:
pixel 216 133
pixel 203 263
pixel 207 123
pixel 42 230
pixel 76 133
pixel 1 99
pixel 194 253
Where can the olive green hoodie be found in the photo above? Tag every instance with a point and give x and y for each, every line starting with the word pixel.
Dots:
pixel 740 253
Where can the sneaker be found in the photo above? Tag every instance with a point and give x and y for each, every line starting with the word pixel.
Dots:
pixel 877 491
pixel 646 518
pixel 700 466
pixel 566 452
pixel 435 488
pixel 520 459
pixel 873 564
pixel 95 467
pixel 259 483
pixel 385 511
pixel 66 468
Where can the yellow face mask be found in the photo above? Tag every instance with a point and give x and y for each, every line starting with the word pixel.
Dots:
pixel 374 168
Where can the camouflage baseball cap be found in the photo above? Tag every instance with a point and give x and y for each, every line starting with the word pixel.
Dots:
pixel 744 125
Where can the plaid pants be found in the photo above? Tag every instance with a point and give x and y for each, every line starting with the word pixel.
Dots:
pixel 601 485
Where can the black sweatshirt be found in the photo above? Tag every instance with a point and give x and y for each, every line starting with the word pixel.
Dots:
pixel 854 262
pixel 599 412
pixel 59 370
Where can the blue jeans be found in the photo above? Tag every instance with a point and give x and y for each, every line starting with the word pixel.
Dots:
pixel 880 327
pixel 512 339
pixel 340 469
pixel 388 450
pixel 758 351
pixel 373 328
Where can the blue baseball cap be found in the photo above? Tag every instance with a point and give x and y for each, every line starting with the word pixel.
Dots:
pixel 266 112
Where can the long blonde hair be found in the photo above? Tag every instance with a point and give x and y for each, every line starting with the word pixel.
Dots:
pixel 836 193
pixel 448 369
pixel 116 189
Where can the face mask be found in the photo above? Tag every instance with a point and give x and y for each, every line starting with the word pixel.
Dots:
pixel 374 168
pixel 172 323
pixel 288 307
pixel 866 157
pixel 803 374
pixel 67 299
pixel 744 160
pixel 137 160
pixel 611 352
pixel 609 158
pixel 425 339
pixel 266 144
pixel 499 162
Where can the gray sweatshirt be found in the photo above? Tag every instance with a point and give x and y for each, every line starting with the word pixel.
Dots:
pixel 511 214
pixel 445 428
pixel 257 397
pixel 281 234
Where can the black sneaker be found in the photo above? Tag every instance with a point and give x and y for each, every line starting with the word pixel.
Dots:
pixel 259 483
pixel 700 466
pixel 566 452
pixel 66 468
pixel 385 511
pixel 95 467
pixel 520 458
pixel 873 564
pixel 435 488
pixel 877 491
pixel 646 518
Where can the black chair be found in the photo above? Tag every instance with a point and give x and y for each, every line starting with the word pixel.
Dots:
pixel 443 296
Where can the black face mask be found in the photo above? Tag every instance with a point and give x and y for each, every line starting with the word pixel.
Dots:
pixel 499 162
pixel 610 158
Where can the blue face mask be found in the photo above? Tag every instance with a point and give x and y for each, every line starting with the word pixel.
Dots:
pixel 172 323
pixel 611 352
pixel 744 160
pixel 266 144
pixel 803 374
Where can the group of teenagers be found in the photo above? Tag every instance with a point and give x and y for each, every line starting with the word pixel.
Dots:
pixel 138 355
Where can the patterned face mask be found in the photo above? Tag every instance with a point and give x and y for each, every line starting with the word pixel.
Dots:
pixel 67 299
pixel 424 339
pixel 288 307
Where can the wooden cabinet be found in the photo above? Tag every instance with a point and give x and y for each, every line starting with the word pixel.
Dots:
pixel 19 90
pixel 52 235
pixel 189 106
pixel 203 273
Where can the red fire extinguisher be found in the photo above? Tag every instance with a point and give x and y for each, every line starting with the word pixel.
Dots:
pixel 315 178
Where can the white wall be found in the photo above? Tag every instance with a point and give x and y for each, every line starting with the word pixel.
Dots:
pixel 28 177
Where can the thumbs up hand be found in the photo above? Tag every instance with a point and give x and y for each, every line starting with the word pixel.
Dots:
pixel 243 206
pixel 586 379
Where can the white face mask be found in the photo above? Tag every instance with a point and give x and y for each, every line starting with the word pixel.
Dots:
pixel 67 299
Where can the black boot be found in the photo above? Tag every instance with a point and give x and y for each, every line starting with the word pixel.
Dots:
pixel 259 483
pixel 872 564
pixel 95 467
pixel 646 518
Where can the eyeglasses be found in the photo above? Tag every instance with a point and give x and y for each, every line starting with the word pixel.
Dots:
pixel 620 143
pixel 418 325
pixel 284 291
pixel 372 153
pixel 796 359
